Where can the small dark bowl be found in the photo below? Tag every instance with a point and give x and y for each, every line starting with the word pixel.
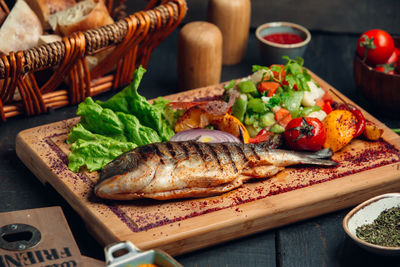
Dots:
pixel 271 52
pixel 381 89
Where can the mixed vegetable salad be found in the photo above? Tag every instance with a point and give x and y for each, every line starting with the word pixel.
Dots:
pixel 280 104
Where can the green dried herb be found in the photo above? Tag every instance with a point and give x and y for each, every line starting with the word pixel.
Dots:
pixel 384 230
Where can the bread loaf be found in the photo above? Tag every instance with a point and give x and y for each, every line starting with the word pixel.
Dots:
pixel 21 29
pixel 49 38
pixel 83 16
pixel 45 8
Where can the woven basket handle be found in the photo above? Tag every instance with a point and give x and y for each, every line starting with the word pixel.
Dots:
pixel 131 40
pixel 50 55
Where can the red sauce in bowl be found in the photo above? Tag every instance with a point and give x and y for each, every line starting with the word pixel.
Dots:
pixel 283 38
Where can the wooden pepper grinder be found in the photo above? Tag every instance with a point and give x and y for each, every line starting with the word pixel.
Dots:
pixel 199 55
pixel 233 19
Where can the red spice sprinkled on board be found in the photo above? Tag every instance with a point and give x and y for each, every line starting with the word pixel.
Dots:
pixel 375 155
pixel 384 151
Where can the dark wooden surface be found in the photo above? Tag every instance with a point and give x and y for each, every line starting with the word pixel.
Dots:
pixel 319 241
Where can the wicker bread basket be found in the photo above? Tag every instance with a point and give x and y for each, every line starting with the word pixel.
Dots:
pixel 68 80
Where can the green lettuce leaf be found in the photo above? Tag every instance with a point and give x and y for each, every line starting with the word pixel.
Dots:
pixel 95 154
pixel 291 100
pixel 129 101
pixel 136 132
pixel 101 121
pixel 170 114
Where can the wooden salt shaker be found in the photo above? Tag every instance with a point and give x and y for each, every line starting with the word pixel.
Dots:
pixel 199 55
pixel 233 19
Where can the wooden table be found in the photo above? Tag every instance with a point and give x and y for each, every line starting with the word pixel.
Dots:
pixel 319 241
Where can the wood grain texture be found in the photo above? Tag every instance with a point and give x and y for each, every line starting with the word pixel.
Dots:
pixel 233 19
pixel 199 55
pixel 185 225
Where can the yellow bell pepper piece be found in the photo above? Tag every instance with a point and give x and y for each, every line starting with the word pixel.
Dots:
pixel 340 128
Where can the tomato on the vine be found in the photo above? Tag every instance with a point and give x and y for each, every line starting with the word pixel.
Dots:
pixel 305 133
pixel 386 68
pixel 398 64
pixel 394 57
pixel 375 46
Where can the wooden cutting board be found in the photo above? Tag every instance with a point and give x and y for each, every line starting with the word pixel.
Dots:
pixel 366 169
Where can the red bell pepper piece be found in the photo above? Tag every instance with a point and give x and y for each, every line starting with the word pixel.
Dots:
pixel 262 136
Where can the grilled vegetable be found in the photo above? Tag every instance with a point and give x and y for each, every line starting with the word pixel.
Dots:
pixel 205 136
pixel 305 134
pixel 196 117
pixel 372 131
pixel 340 128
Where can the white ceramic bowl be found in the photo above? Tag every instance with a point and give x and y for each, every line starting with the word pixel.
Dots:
pixel 271 52
pixel 366 213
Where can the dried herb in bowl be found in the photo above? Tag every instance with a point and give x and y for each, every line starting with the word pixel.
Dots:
pixel 384 230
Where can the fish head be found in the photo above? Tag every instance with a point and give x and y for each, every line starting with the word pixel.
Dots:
pixel 128 173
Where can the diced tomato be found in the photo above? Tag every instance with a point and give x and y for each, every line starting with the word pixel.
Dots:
pixel 325 105
pixel 320 103
pixel 283 117
pixel 269 87
pixel 262 136
pixel 282 72
pixel 327 98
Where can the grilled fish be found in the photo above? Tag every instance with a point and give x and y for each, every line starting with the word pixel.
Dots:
pixel 190 169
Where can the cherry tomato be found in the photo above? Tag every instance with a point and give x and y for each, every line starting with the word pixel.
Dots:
pixel 305 133
pixel 398 64
pixel 386 68
pixel 375 46
pixel 394 57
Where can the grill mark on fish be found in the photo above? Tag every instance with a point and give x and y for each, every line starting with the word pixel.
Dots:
pixel 159 153
pixel 215 156
pixel 198 149
pixel 228 153
pixel 170 149
pixel 254 152
pixel 241 153
pixel 184 148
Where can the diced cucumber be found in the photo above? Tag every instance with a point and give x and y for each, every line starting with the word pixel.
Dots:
pixel 277 128
pixel 291 100
pixel 247 87
pixel 250 119
pixel 308 110
pixel 257 105
pixel 239 108
pixel 267 119
pixel 253 130
pixel 230 85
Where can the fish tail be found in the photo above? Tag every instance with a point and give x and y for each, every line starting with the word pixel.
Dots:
pixel 320 154
pixel 321 162
pixel 317 158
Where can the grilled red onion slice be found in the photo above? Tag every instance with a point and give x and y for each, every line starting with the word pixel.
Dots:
pixel 205 135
